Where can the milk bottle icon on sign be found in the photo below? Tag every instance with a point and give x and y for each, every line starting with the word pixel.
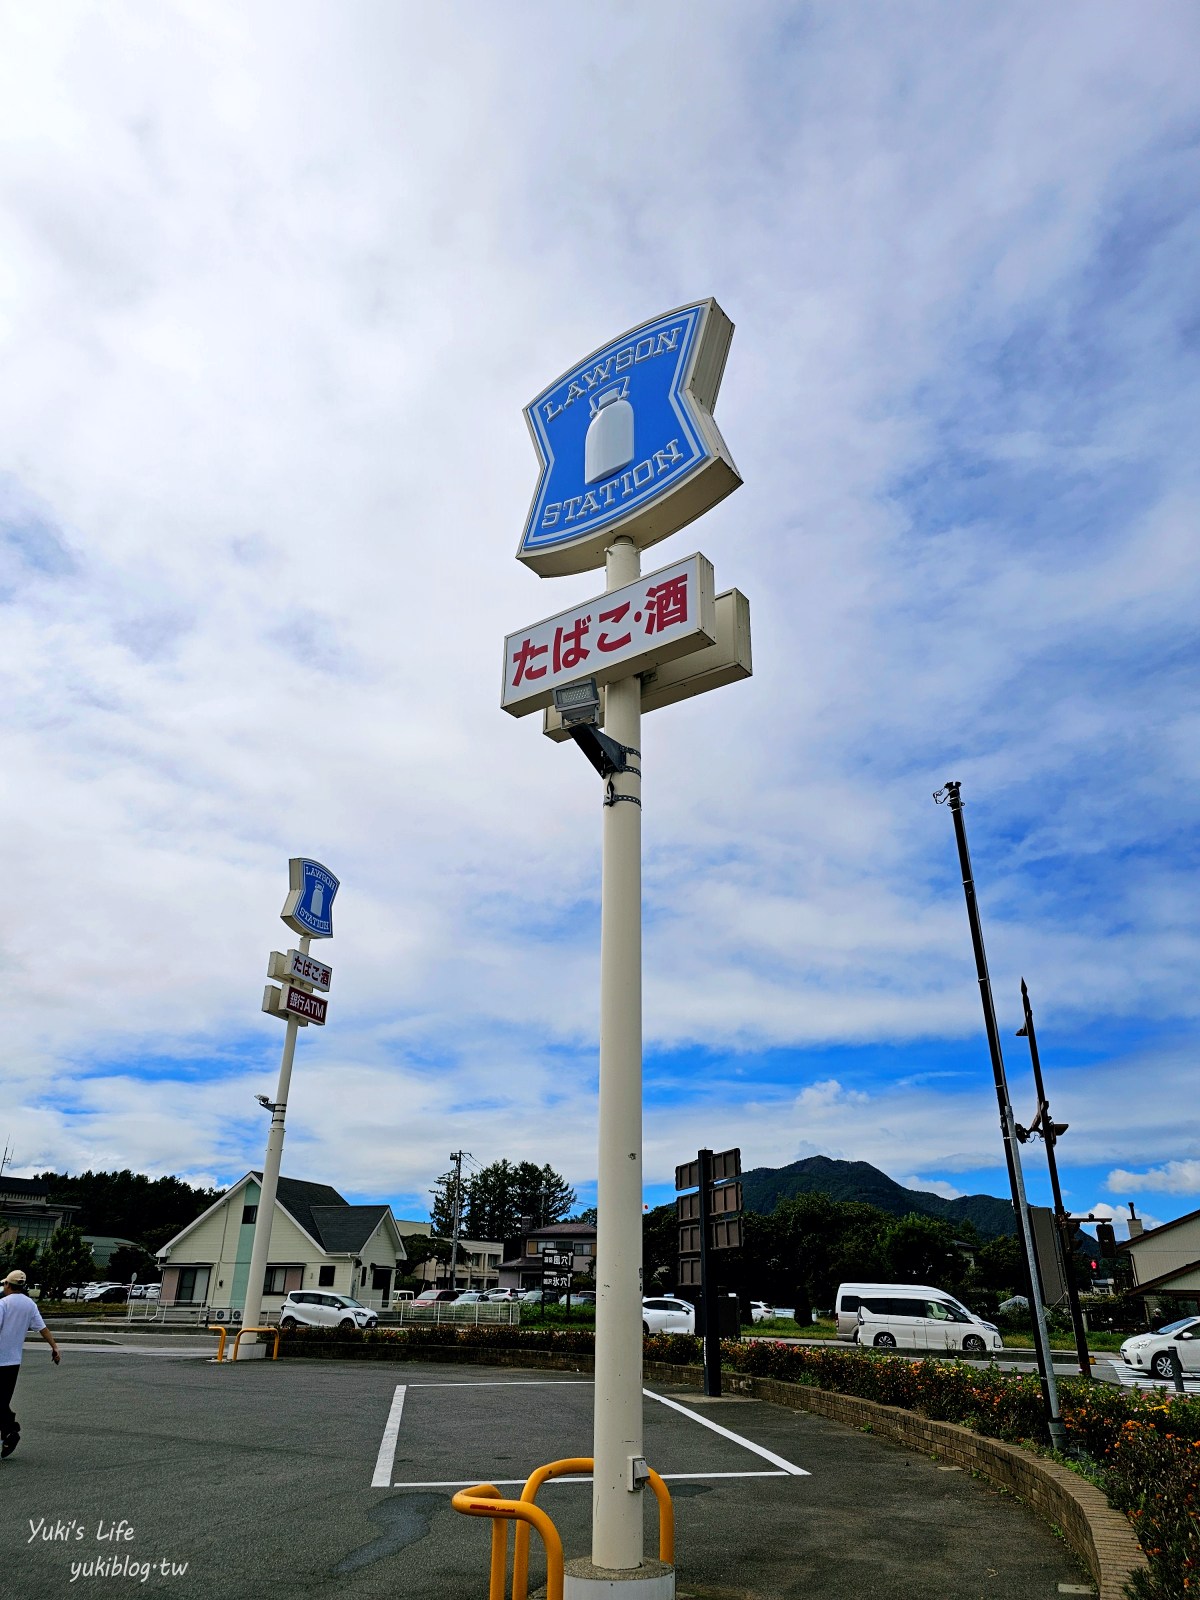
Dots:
pixel 609 443
pixel 317 906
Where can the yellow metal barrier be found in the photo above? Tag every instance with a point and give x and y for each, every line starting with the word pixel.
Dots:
pixel 237 1339
pixel 224 1332
pixel 572 1466
pixel 483 1500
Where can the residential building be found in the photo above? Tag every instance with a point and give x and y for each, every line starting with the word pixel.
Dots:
pixel 27 1212
pixel 522 1266
pixel 318 1240
pixel 1166 1262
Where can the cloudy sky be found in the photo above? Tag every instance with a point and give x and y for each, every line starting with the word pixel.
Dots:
pixel 275 284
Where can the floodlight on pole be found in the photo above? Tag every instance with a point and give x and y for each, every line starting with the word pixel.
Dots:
pixel 578 705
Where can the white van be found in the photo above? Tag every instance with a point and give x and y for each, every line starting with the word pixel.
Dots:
pixel 850 1300
pixel 923 1322
pixel 913 1316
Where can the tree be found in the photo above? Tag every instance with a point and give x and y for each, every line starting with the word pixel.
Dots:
pixel 441 1213
pixel 920 1249
pixel 129 1204
pixel 20 1255
pixel 64 1261
pixel 500 1195
pixel 130 1261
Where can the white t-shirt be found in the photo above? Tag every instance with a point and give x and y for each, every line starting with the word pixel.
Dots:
pixel 18 1316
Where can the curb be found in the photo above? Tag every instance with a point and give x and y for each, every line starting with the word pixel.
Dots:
pixel 1101 1537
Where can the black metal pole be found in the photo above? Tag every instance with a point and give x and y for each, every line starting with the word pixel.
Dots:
pixel 1054 1423
pixel 708 1286
pixel 1046 1128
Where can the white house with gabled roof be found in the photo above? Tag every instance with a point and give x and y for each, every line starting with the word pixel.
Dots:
pixel 318 1240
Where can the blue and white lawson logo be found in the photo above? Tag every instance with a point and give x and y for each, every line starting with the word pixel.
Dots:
pixel 309 905
pixel 627 442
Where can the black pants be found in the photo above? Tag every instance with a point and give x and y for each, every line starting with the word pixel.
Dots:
pixel 8 1382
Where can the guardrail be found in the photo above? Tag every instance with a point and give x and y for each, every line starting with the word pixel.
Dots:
pixel 484 1500
pixel 574 1466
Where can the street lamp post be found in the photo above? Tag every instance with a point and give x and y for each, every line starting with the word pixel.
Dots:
pixel 1044 1124
pixel 951 792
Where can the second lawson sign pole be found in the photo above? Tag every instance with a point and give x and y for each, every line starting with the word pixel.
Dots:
pixel 617 1441
pixel 308 911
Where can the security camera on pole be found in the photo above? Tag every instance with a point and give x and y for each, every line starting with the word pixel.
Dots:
pixel 307 911
pixel 630 453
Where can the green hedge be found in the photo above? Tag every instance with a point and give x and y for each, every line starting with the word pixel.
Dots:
pixel 1141 1446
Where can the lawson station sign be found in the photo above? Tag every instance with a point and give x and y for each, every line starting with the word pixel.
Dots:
pixel 627 442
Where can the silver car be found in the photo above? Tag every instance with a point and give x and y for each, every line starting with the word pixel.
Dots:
pixel 320 1308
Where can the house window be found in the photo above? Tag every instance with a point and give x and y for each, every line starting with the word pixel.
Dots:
pixel 584 1247
pixel 192 1287
pixel 249 1213
pixel 325 1277
pixel 381 1278
pixel 281 1280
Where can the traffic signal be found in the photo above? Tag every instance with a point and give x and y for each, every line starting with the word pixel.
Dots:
pixel 1107 1238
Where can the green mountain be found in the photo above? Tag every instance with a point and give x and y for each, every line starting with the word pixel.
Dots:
pixel 764 1187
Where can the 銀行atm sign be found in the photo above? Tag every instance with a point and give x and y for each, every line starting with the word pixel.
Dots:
pixel 663 615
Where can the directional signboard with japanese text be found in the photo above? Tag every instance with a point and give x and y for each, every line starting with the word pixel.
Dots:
pixel 663 615
pixel 627 442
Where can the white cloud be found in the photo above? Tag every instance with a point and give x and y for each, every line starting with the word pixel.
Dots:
pixel 933 1186
pixel 271 300
pixel 1173 1177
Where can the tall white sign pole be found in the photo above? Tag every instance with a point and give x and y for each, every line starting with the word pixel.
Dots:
pixel 617 1439
pixel 265 1215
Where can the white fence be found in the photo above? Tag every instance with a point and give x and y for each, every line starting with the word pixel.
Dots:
pixel 501 1313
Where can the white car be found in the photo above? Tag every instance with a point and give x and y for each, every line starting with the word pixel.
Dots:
pixel 497 1295
pixel 665 1313
pixel 760 1311
pixel 319 1308
pixel 1151 1352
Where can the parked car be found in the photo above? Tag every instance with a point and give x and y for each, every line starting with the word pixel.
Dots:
pixel 760 1311
pixel 469 1297
pixel 539 1297
pixel 428 1297
pixel 578 1297
pixel 922 1322
pixel 503 1294
pixel 665 1313
pixel 319 1308
pixel 94 1291
pixel 1151 1352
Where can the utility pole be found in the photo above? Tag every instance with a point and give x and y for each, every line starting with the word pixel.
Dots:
pixel 1044 1124
pixel 951 793
pixel 457 1157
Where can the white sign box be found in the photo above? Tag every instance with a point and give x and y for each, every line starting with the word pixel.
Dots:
pixel 663 615
pixel 300 969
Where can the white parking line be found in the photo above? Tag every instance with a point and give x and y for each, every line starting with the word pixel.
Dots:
pixel 726 1433
pixel 555 1483
pixel 386 1459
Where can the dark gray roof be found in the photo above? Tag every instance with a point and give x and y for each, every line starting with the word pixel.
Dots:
pixel 342 1228
pixel 22 1189
pixel 567 1230
pixel 298 1199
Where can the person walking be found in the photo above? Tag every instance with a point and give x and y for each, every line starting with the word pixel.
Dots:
pixel 18 1314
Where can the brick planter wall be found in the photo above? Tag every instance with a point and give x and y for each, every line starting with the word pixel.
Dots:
pixel 1101 1537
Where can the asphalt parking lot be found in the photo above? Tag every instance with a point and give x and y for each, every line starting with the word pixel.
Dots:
pixel 334 1479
